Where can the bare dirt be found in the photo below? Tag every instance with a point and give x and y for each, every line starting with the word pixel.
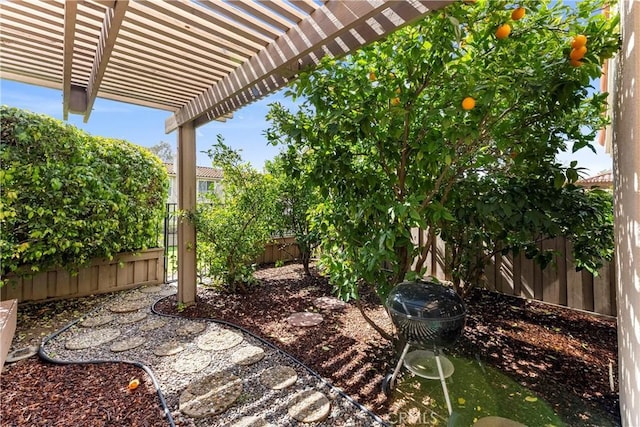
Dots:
pixel 564 355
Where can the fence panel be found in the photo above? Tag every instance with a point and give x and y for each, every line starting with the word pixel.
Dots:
pixel 101 276
pixel 559 283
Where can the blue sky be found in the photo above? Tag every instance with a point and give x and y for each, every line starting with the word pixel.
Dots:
pixel 145 126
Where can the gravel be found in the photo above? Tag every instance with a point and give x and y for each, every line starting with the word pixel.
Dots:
pixel 255 399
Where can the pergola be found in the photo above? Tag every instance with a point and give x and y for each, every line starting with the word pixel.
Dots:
pixel 201 60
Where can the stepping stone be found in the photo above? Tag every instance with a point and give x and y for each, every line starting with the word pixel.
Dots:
pixel 127 344
pixel 309 406
pixel 278 377
pixel 131 317
pixel 221 339
pixel 22 353
pixel 168 348
pixel 190 328
pixel 305 319
pixel 151 289
pixel 247 355
pixel 134 296
pixel 167 292
pixel 127 306
pixel 92 322
pixel 329 303
pixel 210 395
pixel 92 338
pixel 189 363
pixel 152 324
pixel 251 421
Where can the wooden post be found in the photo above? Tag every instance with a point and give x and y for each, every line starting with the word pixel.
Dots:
pixel 186 203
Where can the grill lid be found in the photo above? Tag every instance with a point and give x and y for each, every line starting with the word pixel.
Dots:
pixel 426 300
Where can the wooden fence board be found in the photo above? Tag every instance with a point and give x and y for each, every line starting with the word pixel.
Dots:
pixel 587 291
pixel 575 297
pixel 550 285
pixel 100 277
pixel 601 292
pixel 527 277
pixel 561 264
pixel 517 275
pixel 140 271
pixel 506 281
pixel 490 274
pixel 559 283
pixel 61 284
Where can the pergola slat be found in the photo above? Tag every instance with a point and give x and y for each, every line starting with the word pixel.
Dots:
pixel 241 19
pixel 179 24
pixel 108 35
pixel 290 51
pixel 200 59
pixel 263 14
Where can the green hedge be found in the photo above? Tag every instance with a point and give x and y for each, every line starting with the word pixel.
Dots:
pixel 69 197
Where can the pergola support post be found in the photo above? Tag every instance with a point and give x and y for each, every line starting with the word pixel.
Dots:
pixel 626 172
pixel 186 203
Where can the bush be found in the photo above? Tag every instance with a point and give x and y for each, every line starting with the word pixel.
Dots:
pixel 234 227
pixel 69 197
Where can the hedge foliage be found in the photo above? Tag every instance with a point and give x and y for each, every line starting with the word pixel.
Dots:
pixel 69 197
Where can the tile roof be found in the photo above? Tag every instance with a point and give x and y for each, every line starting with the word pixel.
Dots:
pixel 603 180
pixel 201 171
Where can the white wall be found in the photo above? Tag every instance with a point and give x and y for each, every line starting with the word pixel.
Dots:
pixel 626 169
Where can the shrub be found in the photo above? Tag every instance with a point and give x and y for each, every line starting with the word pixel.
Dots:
pixel 234 227
pixel 69 197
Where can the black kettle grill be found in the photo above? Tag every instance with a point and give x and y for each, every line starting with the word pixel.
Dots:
pixel 429 316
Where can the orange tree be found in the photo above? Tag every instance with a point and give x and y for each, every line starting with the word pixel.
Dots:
pixel 389 132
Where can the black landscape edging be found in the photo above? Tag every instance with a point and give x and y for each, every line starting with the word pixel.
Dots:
pixel 281 351
pixel 156 384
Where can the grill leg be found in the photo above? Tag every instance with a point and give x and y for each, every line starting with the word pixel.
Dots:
pixel 443 382
pixel 399 366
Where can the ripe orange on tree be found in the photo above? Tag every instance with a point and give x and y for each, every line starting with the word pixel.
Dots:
pixel 372 76
pixel 575 63
pixel 395 101
pixel 468 103
pixel 518 13
pixel 577 54
pixel 503 31
pixel 579 41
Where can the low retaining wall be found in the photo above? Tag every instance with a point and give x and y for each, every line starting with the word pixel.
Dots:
pixel 124 271
pixel 8 318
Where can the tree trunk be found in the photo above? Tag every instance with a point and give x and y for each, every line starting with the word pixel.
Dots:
pixel 370 321
pixel 306 259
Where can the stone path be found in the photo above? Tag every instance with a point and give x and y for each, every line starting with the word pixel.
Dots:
pixel 210 374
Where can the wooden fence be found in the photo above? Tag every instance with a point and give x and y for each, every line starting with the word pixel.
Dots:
pixel 281 249
pixel 124 271
pixel 559 283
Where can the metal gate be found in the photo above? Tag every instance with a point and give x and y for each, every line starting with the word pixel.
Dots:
pixel 171 243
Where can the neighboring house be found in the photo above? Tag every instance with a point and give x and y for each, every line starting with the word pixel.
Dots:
pixel 603 180
pixel 207 179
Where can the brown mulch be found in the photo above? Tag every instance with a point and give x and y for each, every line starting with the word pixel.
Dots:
pixel 37 393
pixel 563 355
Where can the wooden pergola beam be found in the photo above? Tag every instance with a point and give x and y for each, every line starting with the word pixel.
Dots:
pixel 285 55
pixel 70 12
pixel 108 35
